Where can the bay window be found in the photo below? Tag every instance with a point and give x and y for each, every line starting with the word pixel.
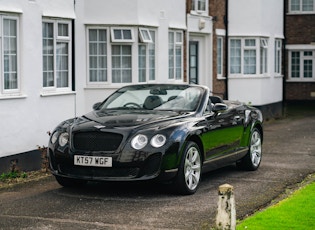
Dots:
pixel 114 52
pixel 248 56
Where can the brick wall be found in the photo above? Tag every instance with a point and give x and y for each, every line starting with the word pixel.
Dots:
pixel 300 29
pixel 217 11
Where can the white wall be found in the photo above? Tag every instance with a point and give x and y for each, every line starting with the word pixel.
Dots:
pixel 162 15
pixel 27 116
pixel 260 18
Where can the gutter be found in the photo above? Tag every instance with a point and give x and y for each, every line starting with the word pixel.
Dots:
pixel 226 23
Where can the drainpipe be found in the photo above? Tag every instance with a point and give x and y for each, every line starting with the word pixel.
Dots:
pixel 226 23
pixel 284 56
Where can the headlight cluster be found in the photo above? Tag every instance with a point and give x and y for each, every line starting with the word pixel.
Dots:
pixel 62 138
pixel 140 141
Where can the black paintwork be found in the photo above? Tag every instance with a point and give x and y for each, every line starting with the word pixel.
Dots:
pixel 221 131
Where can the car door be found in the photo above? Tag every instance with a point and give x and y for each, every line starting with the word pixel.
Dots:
pixel 223 133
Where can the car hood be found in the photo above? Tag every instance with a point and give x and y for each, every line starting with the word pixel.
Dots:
pixel 127 118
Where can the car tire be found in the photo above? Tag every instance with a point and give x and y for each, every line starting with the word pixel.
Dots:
pixel 189 171
pixel 253 157
pixel 69 182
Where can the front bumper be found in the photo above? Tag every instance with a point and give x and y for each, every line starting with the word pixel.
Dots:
pixel 142 167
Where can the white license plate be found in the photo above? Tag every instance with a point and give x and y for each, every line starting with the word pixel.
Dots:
pixel 93 161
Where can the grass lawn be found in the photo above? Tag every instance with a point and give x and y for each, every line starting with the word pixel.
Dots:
pixel 295 212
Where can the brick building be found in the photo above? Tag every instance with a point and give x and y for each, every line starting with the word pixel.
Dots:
pixel 299 65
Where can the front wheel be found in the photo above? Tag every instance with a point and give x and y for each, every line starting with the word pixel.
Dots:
pixel 189 172
pixel 253 158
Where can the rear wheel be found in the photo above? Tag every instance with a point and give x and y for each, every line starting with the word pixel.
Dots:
pixel 189 172
pixel 253 158
pixel 69 182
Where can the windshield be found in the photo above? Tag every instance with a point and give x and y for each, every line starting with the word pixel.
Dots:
pixel 155 97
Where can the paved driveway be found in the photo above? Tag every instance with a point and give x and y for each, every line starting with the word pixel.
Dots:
pixel 289 156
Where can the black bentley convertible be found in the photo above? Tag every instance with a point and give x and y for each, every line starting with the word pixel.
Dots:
pixel 168 132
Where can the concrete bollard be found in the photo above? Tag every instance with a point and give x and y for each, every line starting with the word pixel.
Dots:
pixel 226 215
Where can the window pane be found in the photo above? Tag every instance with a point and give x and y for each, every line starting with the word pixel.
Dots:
pixel 121 63
pixel 127 34
pixel 142 63
pixel 307 5
pixel 295 5
pixel 63 30
pixel 98 55
pixel 178 61
pixel 171 56
pixel 295 64
pixel 235 56
pixel 250 42
pixel 249 61
pixel 152 57
pixel 62 64
pixel 308 68
pixel 10 54
pixel 202 5
pixel 117 34
pixel 219 55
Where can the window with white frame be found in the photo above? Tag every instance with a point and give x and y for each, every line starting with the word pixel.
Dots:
pixel 97 55
pixel 121 63
pixel 248 56
pixel 175 55
pixel 56 54
pixel 146 56
pixel 302 65
pixel 199 5
pixel 263 56
pixel 122 35
pixel 9 54
pixel 219 56
pixel 302 6
pixel 112 52
pixel 278 54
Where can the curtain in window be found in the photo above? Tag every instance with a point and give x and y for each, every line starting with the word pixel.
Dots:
pixel 62 64
pixel 10 54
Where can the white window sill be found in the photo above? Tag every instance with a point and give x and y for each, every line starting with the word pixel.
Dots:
pixel 54 93
pixel 301 80
pixel 12 96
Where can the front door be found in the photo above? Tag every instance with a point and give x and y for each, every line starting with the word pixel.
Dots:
pixel 193 62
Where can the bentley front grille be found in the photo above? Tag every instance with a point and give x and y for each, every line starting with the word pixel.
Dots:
pixel 96 141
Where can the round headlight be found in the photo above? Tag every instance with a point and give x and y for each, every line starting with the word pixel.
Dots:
pixel 54 137
pixel 139 141
pixel 63 139
pixel 158 140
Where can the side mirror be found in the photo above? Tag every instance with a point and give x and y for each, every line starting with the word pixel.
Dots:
pixel 96 105
pixel 218 107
